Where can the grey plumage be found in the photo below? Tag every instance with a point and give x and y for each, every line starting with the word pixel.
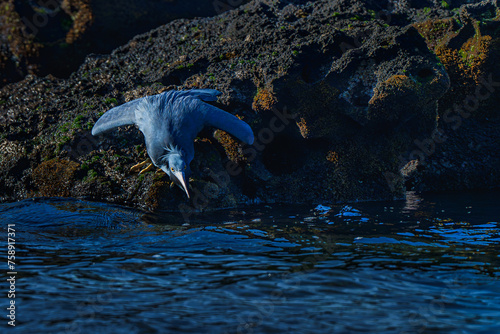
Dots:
pixel 170 122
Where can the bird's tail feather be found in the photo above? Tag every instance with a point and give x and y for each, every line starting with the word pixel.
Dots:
pixel 231 124
pixel 118 116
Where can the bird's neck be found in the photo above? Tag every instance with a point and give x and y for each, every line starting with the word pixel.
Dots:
pixel 173 149
pixel 176 151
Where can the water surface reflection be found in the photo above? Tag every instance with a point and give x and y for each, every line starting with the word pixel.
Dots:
pixel 430 264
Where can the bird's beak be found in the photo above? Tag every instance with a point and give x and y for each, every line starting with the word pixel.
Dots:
pixel 180 177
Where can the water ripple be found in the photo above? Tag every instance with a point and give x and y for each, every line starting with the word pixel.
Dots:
pixel 428 265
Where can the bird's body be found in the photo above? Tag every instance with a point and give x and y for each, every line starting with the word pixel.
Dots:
pixel 170 122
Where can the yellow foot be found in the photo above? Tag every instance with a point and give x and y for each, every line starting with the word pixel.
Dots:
pixel 137 167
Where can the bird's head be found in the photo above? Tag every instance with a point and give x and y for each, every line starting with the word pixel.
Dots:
pixel 174 164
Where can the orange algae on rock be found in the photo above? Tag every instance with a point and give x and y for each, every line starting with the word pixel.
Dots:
pixel 231 146
pixel 332 157
pixel 437 32
pixel 466 62
pixel 264 99
pixel 464 52
pixel 55 177
pixel 18 47
pixel 82 15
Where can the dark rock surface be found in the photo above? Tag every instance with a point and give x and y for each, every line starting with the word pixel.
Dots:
pixel 349 100
pixel 54 36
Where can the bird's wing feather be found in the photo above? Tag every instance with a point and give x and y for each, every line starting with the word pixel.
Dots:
pixel 225 121
pixel 204 94
pixel 118 116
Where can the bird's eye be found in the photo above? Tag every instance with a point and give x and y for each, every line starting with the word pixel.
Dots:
pixel 172 169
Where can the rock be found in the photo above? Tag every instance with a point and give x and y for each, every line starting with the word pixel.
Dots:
pixel 466 154
pixel 347 100
pixel 54 36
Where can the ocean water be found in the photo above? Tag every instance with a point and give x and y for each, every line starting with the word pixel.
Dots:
pixel 430 264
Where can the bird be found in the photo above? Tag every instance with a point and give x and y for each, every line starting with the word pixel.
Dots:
pixel 170 121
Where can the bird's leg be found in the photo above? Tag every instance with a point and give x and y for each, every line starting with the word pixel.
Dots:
pixel 140 165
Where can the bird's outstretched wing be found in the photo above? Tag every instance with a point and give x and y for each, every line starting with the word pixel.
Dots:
pixel 225 121
pixel 204 94
pixel 121 115
pixel 143 111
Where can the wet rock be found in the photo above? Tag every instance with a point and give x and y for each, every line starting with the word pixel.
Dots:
pixel 465 154
pixel 54 36
pixel 347 100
